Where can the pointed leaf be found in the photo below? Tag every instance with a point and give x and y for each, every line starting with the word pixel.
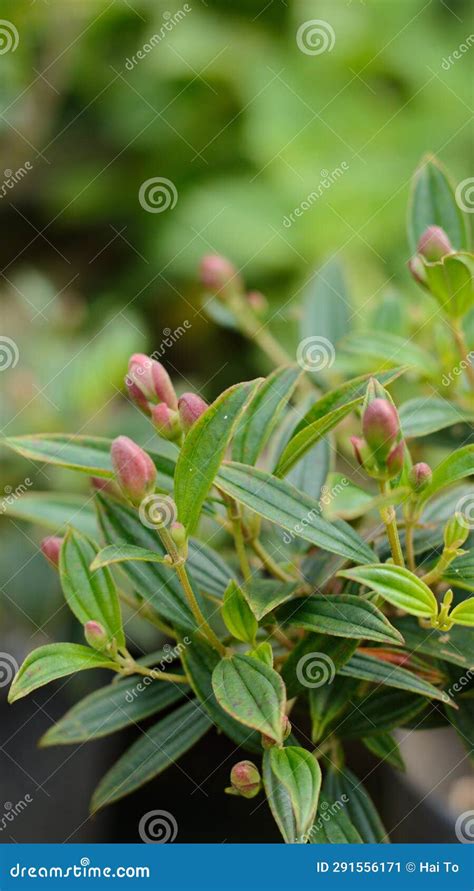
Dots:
pixel 344 786
pixel 237 614
pixel 369 668
pixel 55 511
pixel 398 586
pixel 342 616
pixel 54 661
pixel 333 825
pixel 378 711
pixel 421 416
pixel 264 595
pixel 386 748
pixel 433 203
pixel 262 413
pixel 456 466
pixel 454 646
pixel 279 801
pixel 123 554
pixel 463 613
pixel 327 304
pixel 251 693
pixel 300 774
pixel 389 350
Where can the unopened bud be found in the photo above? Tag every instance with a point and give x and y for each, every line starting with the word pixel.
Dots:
pixel 51 548
pixel 166 421
pixel 420 476
pixel 268 742
pixel 152 379
pixel 434 244
pixel 395 459
pixel 190 407
pixel 134 469
pixel 136 395
pixel 417 269
pixel 180 538
pixel 361 450
pixel 95 635
pixel 380 426
pixel 219 275
pixel 245 779
pixel 257 301
pixel 456 532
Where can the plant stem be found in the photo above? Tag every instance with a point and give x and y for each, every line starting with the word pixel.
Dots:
pixel 270 563
pixel 436 573
pixel 179 567
pixel 389 518
pixel 461 344
pixel 409 530
pixel 159 675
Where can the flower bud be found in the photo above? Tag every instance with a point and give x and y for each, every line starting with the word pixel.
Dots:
pixel 395 459
pixel 456 532
pixel 166 421
pixel 136 395
pixel 257 301
pixel 434 244
pixel 420 476
pixel 100 484
pixel 361 450
pixel 95 635
pixel 380 426
pixel 190 407
pixel 417 269
pixel 219 274
pixel 51 547
pixel 152 380
pixel 180 538
pixel 245 779
pixel 134 469
pixel 268 742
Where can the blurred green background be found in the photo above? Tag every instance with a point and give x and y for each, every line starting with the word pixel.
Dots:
pixel 246 126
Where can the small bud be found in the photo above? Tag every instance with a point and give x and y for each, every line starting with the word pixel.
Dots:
pixel 95 635
pixel 268 742
pixel 380 426
pixel 136 395
pixel 190 407
pixel 257 301
pixel 417 269
pixel 166 421
pixel 245 779
pixel 286 727
pixel 395 459
pixel 51 547
pixel 361 449
pixel 219 275
pixel 456 532
pixel 152 379
pixel 434 244
pixel 134 469
pixel 420 476
pixel 180 538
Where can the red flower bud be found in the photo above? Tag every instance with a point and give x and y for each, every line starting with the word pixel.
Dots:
pixel 51 547
pixel 190 407
pixel 245 779
pixel 420 476
pixel 434 244
pixel 95 635
pixel 395 459
pixel 152 379
pixel 166 421
pixel 219 275
pixel 380 426
pixel 134 469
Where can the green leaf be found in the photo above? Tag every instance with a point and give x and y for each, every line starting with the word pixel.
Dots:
pixel 278 501
pixel 208 569
pixel 344 786
pixel 199 661
pixel 279 801
pixel 111 708
pixel 433 203
pixel 299 772
pixel 389 350
pixel 54 511
pixel 237 615
pixel 150 755
pixel 326 304
pixel 460 573
pixel 262 413
pixel 89 595
pixel 312 659
pixel 454 647
pixel 90 454
pixel 369 668
pixel 421 416
pixel 378 711
pixel 456 466
pixel 346 501
pixel 343 616
pixel 54 661
pixel 264 595
pixel 327 702
pixel 386 748
pixel 123 554
pixel 451 282
pixel 251 693
pixel 333 826
pixel 463 613
pixel 203 451
pixel 397 585
pixel 263 652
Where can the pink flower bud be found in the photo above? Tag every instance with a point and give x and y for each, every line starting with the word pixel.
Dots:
pixel 104 485
pixel 417 269
pixel 245 779
pixel 151 379
pixel 420 476
pixel 219 275
pixel 434 244
pixel 166 421
pixel 380 426
pixel 51 547
pixel 134 469
pixel 190 407
pixel 257 301
pixel 136 395
pixel 360 446
pixel 395 459
pixel 95 635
